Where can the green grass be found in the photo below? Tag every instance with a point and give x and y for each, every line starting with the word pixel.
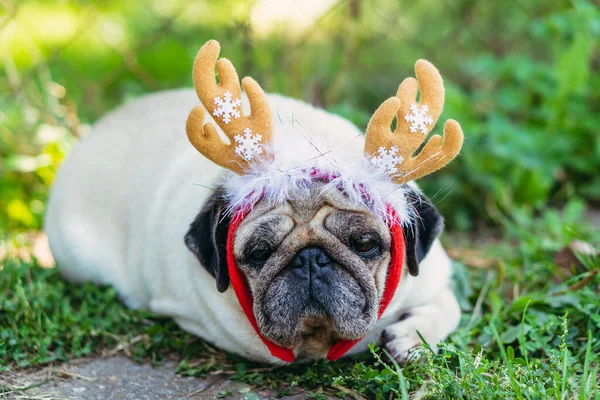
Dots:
pixel 538 341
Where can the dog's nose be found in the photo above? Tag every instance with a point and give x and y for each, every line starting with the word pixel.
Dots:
pixel 311 262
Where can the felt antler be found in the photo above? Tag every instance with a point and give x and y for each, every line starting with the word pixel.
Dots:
pixel 247 134
pixel 391 152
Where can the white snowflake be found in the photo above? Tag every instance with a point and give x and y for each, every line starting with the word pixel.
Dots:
pixel 419 118
pixel 227 107
pixel 248 145
pixel 386 162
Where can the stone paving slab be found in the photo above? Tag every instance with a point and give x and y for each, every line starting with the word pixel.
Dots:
pixel 121 378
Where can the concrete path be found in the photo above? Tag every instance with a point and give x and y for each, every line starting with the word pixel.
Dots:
pixel 121 378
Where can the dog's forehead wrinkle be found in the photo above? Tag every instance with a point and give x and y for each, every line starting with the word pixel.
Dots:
pixel 319 202
pixel 318 220
pixel 305 209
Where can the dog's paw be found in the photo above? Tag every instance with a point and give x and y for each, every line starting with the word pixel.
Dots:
pixel 402 341
pixel 402 348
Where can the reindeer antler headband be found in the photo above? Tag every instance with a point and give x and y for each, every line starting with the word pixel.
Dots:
pixel 390 152
pixel 223 101
pixel 264 172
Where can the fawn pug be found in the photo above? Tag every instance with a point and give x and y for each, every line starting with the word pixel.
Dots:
pixel 290 237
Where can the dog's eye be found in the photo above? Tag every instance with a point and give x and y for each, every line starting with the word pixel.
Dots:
pixel 364 244
pixel 260 255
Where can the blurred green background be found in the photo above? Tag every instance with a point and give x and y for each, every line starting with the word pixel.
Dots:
pixel 521 75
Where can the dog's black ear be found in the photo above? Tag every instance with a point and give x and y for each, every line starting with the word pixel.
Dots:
pixel 420 234
pixel 207 239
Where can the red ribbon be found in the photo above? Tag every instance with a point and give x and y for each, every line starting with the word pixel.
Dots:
pixel 242 291
pixel 245 299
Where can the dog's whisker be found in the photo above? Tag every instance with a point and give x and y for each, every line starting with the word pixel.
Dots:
pixel 204 186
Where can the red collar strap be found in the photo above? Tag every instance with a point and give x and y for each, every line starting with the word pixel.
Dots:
pixel 244 296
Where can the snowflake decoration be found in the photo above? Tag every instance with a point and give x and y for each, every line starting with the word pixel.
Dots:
pixel 387 160
pixel 227 107
pixel 248 145
pixel 419 118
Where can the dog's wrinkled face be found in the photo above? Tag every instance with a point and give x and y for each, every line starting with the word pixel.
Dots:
pixel 316 268
pixel 316 265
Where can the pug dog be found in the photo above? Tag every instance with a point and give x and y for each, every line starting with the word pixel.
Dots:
pixel 307 268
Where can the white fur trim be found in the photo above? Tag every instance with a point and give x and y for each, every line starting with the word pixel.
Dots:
pixel 282 179
pixel 276 187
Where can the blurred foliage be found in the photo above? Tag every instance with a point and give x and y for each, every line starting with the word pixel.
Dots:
pixel 522 78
